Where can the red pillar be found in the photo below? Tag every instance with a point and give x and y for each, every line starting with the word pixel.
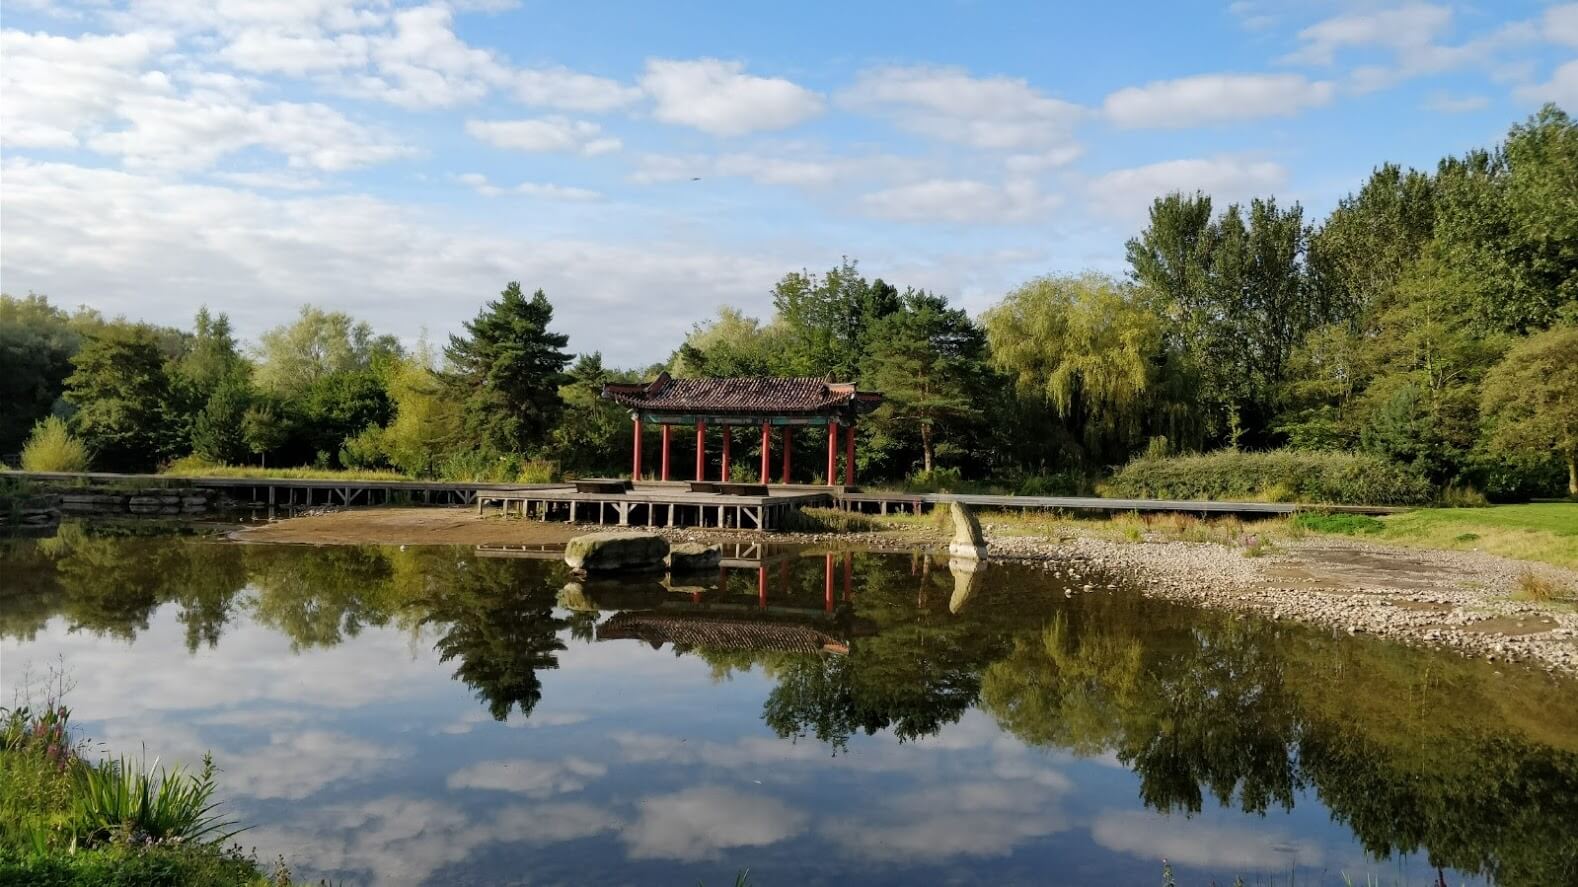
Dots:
pixel 665 450
pixel 767 452
pixel 723 470
pixel 701 451
pixel 827 582
pixel 635 457
pixel 788 448
pixel 761 587
pixel 832 452
pixel 849 456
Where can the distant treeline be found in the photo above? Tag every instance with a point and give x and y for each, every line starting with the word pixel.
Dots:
pixel 1431 320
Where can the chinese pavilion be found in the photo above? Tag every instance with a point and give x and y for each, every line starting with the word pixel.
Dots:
pixel 753 402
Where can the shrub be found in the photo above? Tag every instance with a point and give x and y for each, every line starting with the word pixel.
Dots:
pixel 938 480
pixel 51 447
pixel 1465 496
pixel 152 804
pixel 1297 475
pixel 1534 587
pixel 365 450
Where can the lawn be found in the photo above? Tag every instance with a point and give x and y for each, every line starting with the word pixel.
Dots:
pixel 1545 531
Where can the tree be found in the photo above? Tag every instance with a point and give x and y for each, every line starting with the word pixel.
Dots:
pixel 339 406
pixel 1372 237
pixel 52 448
pixel 1530 399
pixel 929 361
pixel 318 344
pixel 219 431
pixel 1093 349
pixel 592 429
pixel 265 429
pixel 122 395
pixel 508 369
pixel 213 356
pixel 37 341
pixel 732 344
pixel 826 320
pixel 426 420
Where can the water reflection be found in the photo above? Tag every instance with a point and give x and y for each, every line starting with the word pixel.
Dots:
pixel 1242 741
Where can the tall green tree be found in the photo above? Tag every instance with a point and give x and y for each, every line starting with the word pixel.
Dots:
pixel 593 433
pixel 219 432
pixel 508 369
pixel 827 319
pixel 929 361
pixel 1530 400
pixel 37 341
pixel 318 344
pixel 121 393
pixel 730 344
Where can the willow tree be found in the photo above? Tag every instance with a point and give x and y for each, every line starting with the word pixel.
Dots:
pixel 1094 350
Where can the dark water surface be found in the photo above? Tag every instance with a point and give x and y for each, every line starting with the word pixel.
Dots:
pixel 439 715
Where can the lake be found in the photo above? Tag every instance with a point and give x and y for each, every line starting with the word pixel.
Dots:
pixel 438 715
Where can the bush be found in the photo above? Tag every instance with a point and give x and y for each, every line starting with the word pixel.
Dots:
pixel 366 450
pixel 1278 475
pixel 938 480
pixel 51 447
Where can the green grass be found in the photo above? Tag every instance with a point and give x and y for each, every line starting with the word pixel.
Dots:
pixel 190 467
pixel 1546 531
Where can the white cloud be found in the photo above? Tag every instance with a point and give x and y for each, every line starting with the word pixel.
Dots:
pixel 698 822
pixel 718 97
pixel 1215 98
pixel 1196 842
pixel 424 64
pixel 1561 24
pixel 977 819
pixel 949 104
pixel 1126 194
pixel 156 249
pixel 559 134
pixel 539 190
pixel 268 51
pixel 1411 37
pixel 1562 88
pixel 532 778
pixel 101 93
pixel 959 200
pixel 1452 104
pixel 789 167
pixel 568 90
pixel 1409 28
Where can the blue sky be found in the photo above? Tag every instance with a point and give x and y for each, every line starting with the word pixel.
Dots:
pixel 646 164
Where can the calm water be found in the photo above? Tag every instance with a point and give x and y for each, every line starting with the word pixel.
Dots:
pixel 436 715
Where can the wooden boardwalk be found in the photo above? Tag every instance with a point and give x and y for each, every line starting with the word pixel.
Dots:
pixel 653 504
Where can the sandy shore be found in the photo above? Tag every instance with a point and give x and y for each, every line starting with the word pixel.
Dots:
pixel 1447 599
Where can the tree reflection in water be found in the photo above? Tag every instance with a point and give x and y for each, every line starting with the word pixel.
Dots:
pixel 1411 750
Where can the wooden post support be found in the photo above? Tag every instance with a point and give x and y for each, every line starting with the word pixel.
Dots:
pixel 767 452
pixel 635 456
pixel 832 452
pixel 666 428
pixel 723 469
pixel 849 456
pixel 788 449
pixel 761 587
pixel 701 451
pixel 827 582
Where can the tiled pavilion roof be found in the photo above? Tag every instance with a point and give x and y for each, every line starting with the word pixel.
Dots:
pixel 755 396
pixel 716 633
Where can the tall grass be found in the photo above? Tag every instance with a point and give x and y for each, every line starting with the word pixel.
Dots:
pixel 193 466
pixel 51 447
pixel 151 803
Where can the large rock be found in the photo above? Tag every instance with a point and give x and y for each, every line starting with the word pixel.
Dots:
pixel 692 556
pixel 968 540
pixel 613 552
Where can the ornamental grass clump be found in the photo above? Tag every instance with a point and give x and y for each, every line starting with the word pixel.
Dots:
pixel 51 447
pixel 116 798
pixel 1276 475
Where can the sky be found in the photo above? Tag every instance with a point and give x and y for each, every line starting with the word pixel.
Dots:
pixel 646 164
